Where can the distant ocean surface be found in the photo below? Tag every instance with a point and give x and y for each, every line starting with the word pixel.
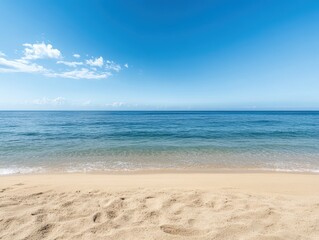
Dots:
pixel 87 141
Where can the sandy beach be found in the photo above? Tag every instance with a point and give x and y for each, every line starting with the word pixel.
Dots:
pixel 160 206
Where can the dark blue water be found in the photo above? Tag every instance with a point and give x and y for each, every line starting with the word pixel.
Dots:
pixel 102 141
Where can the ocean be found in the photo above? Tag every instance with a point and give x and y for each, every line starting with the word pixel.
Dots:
pixel 104 141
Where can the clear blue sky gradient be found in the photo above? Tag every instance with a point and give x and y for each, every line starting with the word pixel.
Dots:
pixel 200 55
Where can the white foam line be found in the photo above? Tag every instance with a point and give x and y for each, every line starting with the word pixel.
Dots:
pixel 22 170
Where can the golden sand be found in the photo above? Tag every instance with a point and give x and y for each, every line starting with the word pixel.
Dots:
pixel 160 206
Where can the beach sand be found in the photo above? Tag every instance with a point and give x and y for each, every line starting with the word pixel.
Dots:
pixel 160 206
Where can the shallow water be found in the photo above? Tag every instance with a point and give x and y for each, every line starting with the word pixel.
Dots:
pixel 104 141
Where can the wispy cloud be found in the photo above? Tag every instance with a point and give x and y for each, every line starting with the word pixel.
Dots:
pixel 83 73
pixel 50 101
pixel 70 64
pixel 97 62
pixel 20 65
pixel 89 69
pixel 116 104
pixel 110 65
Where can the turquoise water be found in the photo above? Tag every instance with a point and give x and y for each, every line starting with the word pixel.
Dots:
pixel 107 141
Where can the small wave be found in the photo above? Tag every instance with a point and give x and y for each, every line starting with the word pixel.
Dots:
pixel 19 170
pixel 295 170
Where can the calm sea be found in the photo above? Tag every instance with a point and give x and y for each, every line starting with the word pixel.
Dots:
pixel 86 141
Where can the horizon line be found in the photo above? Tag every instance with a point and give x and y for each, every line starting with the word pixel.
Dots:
pixel 156 110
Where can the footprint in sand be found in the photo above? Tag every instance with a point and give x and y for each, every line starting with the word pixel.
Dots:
pixel 19 184
pixel 96 217
pixel 179 230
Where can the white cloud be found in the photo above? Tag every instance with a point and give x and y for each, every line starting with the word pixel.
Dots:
pixel 50 101
pixel 20 65
pixel 116 104
pixel 97 62
pixel 39 51
pixel 110 65
pixel 83 73
pixel 32 52
pixel 70 64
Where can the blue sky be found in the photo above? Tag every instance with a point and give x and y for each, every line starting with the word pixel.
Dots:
pixel 160 55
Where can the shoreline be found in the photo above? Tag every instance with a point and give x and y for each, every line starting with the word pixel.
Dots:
pixel 190 170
